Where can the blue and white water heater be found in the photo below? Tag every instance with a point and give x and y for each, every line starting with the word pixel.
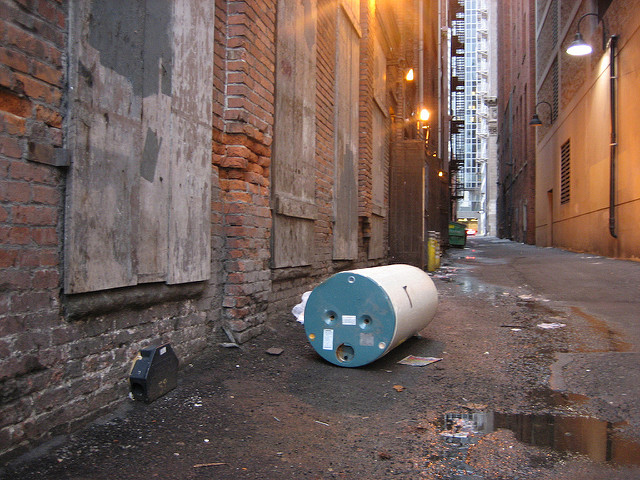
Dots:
pixel 357 316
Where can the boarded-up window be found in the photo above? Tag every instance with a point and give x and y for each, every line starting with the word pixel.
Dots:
pixel 293 188
pixel 379 130
pixel 140 117
pixel 345 232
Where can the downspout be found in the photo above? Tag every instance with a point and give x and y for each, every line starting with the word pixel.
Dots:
pixel 614 136
pixel 421 54
pixel 440 80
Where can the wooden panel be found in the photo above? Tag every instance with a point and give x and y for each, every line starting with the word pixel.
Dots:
pixel 406 203
pixel 378 170
pixel 134 133
pixel 190 162
pixel 376 242
pixel 293 166
pixel 345 232
pixel 156 141
pixel 105 148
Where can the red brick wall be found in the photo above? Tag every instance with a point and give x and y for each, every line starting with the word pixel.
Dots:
pixel 245 51
pixel 32 39
pixel 516 150
pixel 64 359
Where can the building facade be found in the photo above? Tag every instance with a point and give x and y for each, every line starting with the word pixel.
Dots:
pixel 587 189
pixel 181 171
pixel 516 101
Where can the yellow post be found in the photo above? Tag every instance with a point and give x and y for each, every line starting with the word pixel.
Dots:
pixel 431 255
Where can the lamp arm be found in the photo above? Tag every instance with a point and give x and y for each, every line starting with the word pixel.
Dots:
pixel 604 27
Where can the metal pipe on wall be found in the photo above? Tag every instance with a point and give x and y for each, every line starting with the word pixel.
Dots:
pixel 613 43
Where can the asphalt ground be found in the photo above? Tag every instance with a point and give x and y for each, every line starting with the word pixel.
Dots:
pixel 508 400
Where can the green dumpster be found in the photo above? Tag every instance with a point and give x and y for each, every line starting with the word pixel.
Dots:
pixel 457 234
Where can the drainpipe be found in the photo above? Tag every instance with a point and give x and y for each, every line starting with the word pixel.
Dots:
pixel 421 54
pixel 614 137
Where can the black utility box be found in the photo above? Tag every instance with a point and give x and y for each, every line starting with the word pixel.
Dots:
pixel 154 372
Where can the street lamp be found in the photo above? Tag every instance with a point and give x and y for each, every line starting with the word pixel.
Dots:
pixel 535 120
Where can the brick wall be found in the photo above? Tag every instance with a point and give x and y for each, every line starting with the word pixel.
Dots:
pixel 64 359
pixel 245 49
pixel 31 52
pixel 516 103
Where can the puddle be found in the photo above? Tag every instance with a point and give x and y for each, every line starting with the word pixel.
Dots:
pixel 471 285
pixel 583 435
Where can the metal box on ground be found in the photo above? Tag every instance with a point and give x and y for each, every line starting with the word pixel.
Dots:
pixel 356 317
pixel 154 372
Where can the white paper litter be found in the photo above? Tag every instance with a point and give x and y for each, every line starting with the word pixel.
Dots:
pixel 298 310
pixel 550 326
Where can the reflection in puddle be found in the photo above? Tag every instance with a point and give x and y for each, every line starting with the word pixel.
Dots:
pixel 584 435
pixel 471 285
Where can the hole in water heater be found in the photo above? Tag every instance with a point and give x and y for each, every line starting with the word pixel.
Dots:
pixel 345 353
pixel 330 317
pixel 364 322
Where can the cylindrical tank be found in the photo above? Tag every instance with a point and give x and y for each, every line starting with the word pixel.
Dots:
pixel 357 316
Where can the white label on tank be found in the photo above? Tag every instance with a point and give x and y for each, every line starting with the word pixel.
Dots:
pixel 348 319
pixel 163 350
pixel 327 339
pixel 366 340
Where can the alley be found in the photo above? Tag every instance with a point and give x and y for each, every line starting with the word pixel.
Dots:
pixel 538 345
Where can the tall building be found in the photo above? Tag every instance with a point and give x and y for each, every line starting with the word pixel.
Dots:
pixel 472 101
pixel 516 99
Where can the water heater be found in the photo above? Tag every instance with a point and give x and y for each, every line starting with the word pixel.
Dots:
pixel 357 316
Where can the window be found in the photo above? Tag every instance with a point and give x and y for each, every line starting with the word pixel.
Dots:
pixel 565 172
pixel 140 117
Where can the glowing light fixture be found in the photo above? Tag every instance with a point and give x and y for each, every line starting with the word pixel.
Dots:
pixel 424 115
pixel 579 47
pixel 409 76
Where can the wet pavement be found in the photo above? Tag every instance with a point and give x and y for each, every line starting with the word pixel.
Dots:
pixel 539 379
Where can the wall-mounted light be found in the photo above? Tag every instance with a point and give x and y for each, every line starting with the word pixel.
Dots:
pixel 579 47
pixel 409 76
pixel 535 119
pixel 424 115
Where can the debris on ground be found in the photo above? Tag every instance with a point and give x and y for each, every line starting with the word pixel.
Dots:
pixel 551 326
pixel 298 310
pixel 275 351
pixel 415 361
